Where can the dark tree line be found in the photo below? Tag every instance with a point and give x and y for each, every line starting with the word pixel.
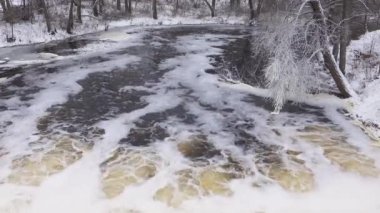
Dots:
pixel 74 12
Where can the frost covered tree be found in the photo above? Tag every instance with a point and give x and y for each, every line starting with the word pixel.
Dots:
pixel 293 46
pixel 290 71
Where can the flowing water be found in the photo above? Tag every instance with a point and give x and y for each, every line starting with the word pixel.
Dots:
pixel 144 120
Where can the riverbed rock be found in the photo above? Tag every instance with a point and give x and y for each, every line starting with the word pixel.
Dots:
pixel 197 147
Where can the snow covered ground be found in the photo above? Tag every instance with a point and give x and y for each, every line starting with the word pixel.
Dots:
pixel 363 71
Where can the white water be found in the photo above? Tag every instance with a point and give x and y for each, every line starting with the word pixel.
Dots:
pixel 80 187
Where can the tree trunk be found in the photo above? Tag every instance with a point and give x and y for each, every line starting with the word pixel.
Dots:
pixel 46 14
pixel 70 22
pixel 154 8
pixel 126 7
pixel 251 10
pixel 345 37
pixel 118 4
pixel 79 11
pixel 13 36
pixel 24 11
pixel 259 7
pixel 95 8
pixel 336 73
pixel 336 50
pixel 101 6
pixel 340 80
pixel 8 13
pixel 30 9
pixel 334 17
pixel 176 6
pixel 211 7
pixel 130 7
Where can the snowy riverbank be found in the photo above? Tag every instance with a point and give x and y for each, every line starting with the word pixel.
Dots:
pixel 27 33
pixel 363 71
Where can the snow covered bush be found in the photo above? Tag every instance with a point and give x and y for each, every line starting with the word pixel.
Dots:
pixel 364 60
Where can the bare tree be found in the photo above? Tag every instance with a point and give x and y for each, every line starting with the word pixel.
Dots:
pixel 101 4
pixel 9 16
pixel 95 8
pixel 25 14
pixel 176 7
pixel 30 9
pixel 70 22
pixel 3 6
pixel 334 19
pixel 8 3
pixel 255 8
pixel 251 10
pixel 211 6
pixel 258 8
pixel 154 8
pixel 46 14
pixel 118 4
pixel 128 7
pixel 345 37
pixel 79 10
pixel 7 10
pixel 234 5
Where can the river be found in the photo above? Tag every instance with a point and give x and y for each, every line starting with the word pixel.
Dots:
pixel 147 120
